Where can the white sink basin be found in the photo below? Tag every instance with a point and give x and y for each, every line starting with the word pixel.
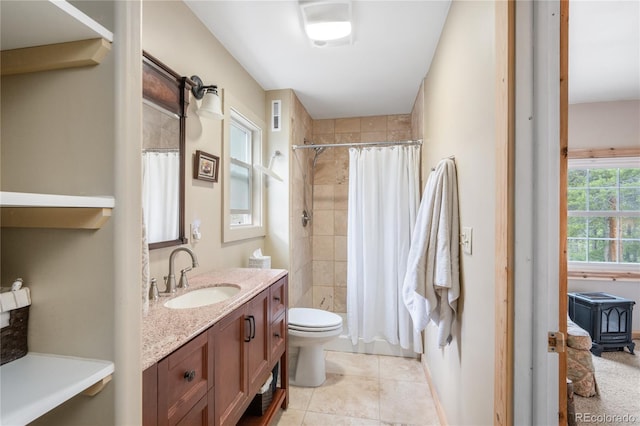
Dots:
pixel 203 296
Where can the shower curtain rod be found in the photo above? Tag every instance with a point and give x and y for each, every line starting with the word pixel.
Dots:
pixel 359 144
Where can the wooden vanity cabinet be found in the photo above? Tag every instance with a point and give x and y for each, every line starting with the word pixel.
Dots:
pixel 212 379
pixel 241 358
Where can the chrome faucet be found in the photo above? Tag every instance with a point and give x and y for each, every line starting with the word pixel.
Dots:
pixel 170 280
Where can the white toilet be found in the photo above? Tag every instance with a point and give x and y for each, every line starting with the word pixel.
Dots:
pixel 309 329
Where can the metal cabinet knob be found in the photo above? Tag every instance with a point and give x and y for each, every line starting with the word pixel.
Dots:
pixel 189 375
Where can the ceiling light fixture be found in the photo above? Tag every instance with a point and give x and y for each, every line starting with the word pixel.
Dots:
pixel 327 23
pixel 211 106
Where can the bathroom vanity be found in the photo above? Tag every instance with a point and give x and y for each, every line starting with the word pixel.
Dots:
pixel 205 365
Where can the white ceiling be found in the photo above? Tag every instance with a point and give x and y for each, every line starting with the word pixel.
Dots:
pixel 394 42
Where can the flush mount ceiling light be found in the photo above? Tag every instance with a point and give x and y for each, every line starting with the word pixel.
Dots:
pixel 211 106
pixel 327 23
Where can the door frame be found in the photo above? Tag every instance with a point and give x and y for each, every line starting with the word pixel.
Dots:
pixel 537 392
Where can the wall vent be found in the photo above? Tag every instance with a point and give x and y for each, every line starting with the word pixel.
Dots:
pixel 276 115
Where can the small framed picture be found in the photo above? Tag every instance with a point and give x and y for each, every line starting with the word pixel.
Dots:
pixel 206 166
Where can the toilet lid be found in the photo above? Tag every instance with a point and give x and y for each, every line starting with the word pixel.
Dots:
pixel 306 318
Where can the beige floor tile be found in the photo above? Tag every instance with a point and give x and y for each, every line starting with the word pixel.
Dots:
pixel 299 397
pixel 351 364
pixel 319 419
pixel 350 396
pixel 398 368
pixel 406 402
pixel 289 417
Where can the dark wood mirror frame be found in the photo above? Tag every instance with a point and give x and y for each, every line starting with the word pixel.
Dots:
pixel 167 89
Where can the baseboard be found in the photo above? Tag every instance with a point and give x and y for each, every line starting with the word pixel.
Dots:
pixel 635 334
pixel 439 408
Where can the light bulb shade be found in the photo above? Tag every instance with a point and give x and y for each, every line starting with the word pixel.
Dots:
pixel 327 22
pixel 327 31
pixel 211 106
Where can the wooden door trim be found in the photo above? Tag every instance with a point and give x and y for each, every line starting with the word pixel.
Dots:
pixel 505 209
pixel 562 222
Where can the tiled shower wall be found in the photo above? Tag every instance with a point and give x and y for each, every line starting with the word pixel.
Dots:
pixel 300 273
pixel 331 186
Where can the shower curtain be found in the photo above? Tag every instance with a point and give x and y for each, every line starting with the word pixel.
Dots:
pixel 160 191
pixel 383 204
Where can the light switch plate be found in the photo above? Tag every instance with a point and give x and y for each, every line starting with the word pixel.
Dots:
pixel 466 239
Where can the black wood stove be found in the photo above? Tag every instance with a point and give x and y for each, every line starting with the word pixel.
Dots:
pixel 606 317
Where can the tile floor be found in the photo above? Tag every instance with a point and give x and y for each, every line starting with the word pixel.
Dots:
pixel 364 390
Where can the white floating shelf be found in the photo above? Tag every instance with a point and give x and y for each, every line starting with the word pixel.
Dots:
pixel 43 35
pixel 26 199
pixel 26 210
pixel 37 383
pixel 42 22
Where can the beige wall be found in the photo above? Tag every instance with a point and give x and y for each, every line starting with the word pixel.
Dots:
pixel 459 99
pixel 174 35
pixel 331 187
pixel 606 125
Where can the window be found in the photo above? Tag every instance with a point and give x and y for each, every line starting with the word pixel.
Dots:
pixel 241 144
pixel 603 227
pixel 243 200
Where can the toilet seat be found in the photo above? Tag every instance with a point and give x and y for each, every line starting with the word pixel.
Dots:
pixel 313 320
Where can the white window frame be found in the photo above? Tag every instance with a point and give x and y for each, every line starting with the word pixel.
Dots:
pixel 595 269
pixel 237 112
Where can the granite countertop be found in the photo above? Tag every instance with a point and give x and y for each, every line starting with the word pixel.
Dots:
pixel 165 330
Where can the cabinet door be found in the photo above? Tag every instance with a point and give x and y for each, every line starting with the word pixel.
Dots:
pixel 231 382
pixel 258 349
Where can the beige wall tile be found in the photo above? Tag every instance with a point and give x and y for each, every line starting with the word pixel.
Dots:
pixel 323 248
pixel 325 171
pixel 323 197
pixel 340 299
pixel 346 125
pixel 373 123
pixel 373 136
pixel 323 273
pixel 340 251
pixel 322 138
pixel 340 274
pixel 323 297
pixel 399 122
pixel 347 137
pixel 322 222
pixel 399 135
pixel 341 196
pixel 340 222
pixel 323 126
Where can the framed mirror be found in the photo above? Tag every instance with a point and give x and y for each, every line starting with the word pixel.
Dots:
pixel 165 99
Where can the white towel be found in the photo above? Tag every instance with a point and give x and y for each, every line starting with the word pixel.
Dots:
pixel 432 283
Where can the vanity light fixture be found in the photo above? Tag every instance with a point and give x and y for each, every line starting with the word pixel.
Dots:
pixel 211 106
pixel 327 22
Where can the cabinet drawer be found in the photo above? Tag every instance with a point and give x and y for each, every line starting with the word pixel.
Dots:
pixel 278 298
pixel 278 338
pixel 184 378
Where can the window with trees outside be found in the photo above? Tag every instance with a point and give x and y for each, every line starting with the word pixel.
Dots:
pixel 603 227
